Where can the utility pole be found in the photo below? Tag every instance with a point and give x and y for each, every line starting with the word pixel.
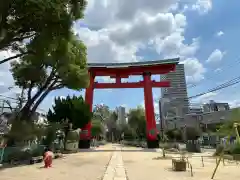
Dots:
pixel 161 118
pixel 162 101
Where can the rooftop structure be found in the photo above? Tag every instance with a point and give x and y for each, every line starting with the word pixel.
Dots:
pixel 215 106
pixel 134 64
pixel 124 70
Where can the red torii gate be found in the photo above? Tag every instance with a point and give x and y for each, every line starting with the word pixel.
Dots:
pixel 124 70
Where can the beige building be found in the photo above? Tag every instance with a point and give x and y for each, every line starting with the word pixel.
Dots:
pixel 195 120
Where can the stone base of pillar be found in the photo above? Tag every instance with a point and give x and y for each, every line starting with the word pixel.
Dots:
pixel 152 144
pixel 84 144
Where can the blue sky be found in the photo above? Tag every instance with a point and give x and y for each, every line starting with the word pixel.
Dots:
pixel 221 17
pixel 203 33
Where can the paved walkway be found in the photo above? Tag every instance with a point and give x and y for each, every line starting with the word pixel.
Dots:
pixel 115 169
pixel 113 162
pixel 88 165
pixel 142 165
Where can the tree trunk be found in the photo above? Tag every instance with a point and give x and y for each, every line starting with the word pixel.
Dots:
pixel 35 106
pixel 24 112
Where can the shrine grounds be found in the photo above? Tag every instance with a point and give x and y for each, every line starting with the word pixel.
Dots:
pixel 118 162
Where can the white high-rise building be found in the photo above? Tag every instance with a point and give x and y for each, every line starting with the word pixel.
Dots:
pixel 121 112
pixel 178 104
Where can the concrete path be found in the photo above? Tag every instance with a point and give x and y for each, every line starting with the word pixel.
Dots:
pixel 142 165
pixel 113 162
pixel 89 165
pixel 115 169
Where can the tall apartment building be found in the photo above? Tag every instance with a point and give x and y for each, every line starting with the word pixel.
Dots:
pixel 121 112
pixel 178 104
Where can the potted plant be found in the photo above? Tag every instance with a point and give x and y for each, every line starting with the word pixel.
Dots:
pixel 180 164
pixel 71 142
pixel 235 151
pixel 192 135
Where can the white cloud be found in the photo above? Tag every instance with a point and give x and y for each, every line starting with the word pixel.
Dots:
pixel 217 70
pixel 147 27
pixel 6 79
pixel 202 6
pixel 104 79
pixel 133 26
pixel 194 70
pixel 205 98
pixel 234 103
pixel 102 49
pixel 220 33
pixel 155 104
pixel 215 56
pixel 105 13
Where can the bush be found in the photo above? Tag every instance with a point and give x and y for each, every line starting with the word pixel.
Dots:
pixel 18 156
pixel 235 149
pixel 192 133
pixel 37 152
pixel 174 134
pixel 72 136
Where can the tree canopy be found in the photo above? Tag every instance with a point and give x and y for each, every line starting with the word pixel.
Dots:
pixel 74 109
pixel 97 128
pixel 227 127
pixel 137 121
pixel 27 21
pixel 61 64
pixel 102 112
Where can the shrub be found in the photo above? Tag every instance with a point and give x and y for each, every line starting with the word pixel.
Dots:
pixel 174 134
pixel 19 156
pixel 72 136
pixel 235 149
pixel 192 133
pixel 37 152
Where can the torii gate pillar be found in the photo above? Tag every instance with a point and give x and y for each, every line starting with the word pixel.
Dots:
pixel 152 141
pixel 85 134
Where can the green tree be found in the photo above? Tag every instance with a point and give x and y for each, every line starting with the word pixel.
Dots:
pixel 51 135
pixel 174 134
pixel 31 20
pixel 70 110
pixel 192 133
pixel 102 112
pixel 129 132
pixel 227 128
pixel 62 64
pixel 97 128
pixel 136 120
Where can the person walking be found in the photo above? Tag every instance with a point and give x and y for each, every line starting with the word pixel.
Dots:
pixel 48 157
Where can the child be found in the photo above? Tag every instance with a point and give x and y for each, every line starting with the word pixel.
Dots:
pixel 48 157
